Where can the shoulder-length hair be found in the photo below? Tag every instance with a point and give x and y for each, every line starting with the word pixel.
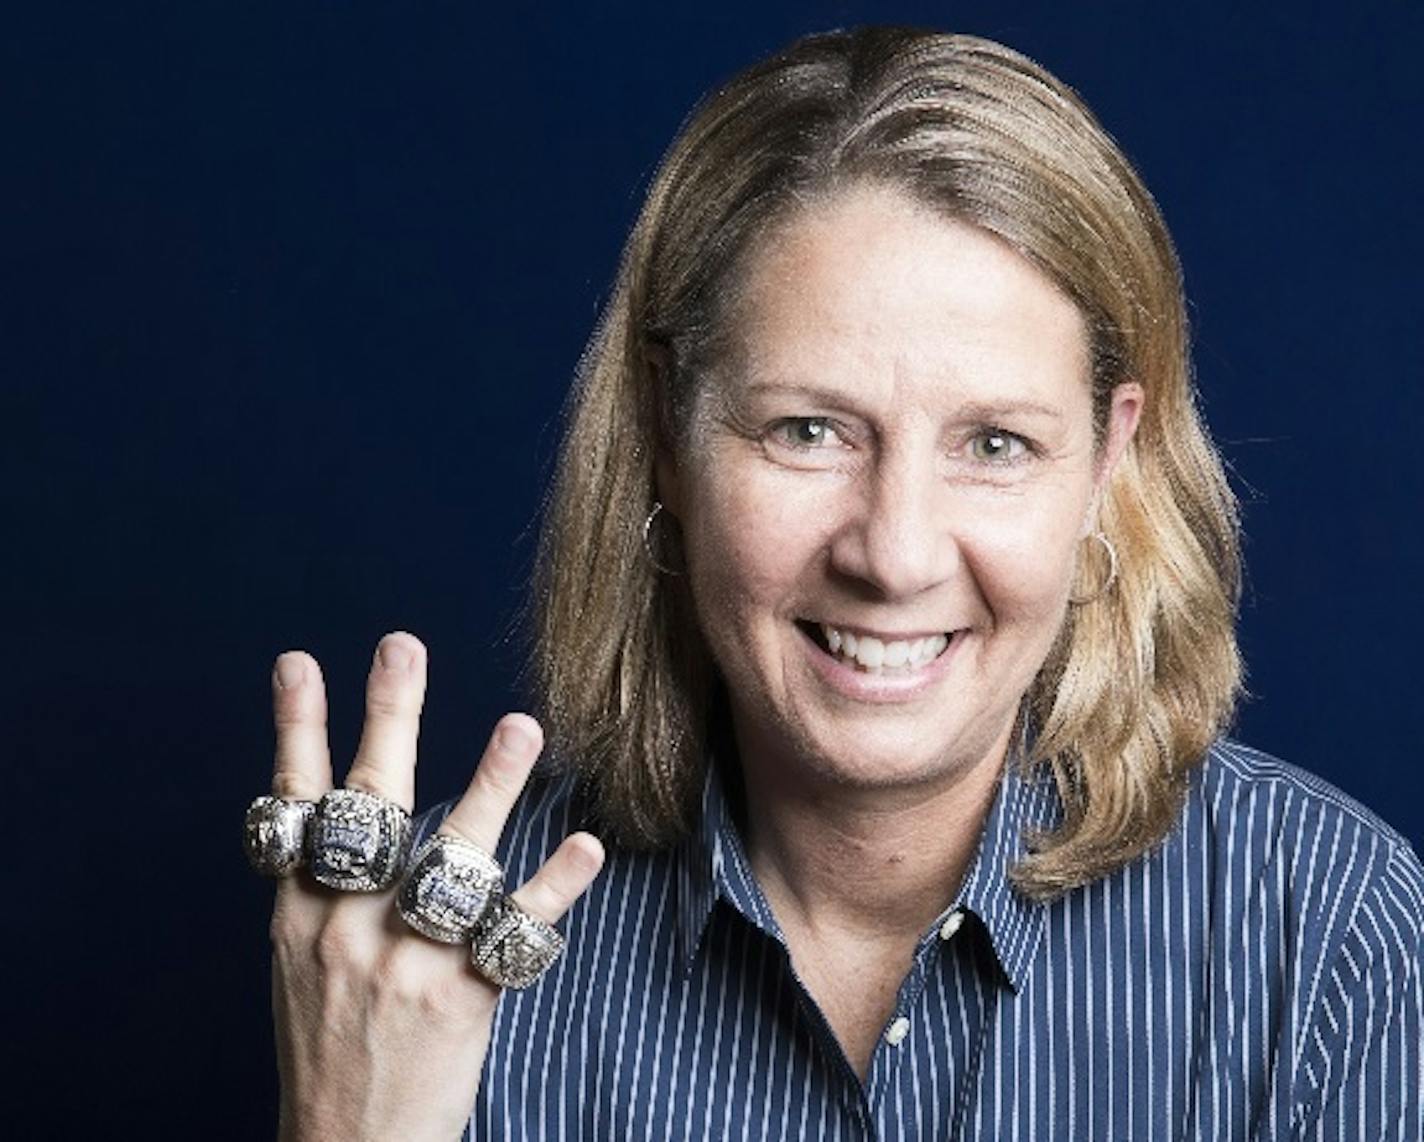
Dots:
pixel 1142 677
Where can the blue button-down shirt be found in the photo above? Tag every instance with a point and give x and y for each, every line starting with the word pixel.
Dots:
pixel 1258 975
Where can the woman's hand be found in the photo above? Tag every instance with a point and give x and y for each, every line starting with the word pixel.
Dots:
pixel 381 1033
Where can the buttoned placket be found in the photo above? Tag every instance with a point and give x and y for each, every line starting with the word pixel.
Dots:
pixel 891 1053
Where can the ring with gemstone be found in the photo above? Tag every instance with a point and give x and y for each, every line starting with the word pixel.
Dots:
pixel 274 834
pixel 448 887
pixel 512 948
pixel 358 842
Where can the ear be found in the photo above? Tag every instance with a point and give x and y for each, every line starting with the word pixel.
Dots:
pixel 657 358
pixel 1124 414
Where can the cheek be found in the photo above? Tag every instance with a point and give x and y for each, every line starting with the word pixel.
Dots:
pixel 751 539
pixel 1022 558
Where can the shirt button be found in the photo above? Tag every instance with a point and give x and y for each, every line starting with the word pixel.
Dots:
pixel 951 925
pixel 896 1032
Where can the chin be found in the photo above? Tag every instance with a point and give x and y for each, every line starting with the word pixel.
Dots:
pixel 887 754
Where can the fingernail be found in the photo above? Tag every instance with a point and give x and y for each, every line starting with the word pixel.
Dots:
pixel 290 671
pixel 394 655
pixel 516 739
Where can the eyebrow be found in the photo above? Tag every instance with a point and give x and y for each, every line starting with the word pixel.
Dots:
pixel 993 410
pixel 975 410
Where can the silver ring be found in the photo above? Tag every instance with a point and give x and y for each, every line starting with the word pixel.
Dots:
pixel 359 841
pixel 450 884
pixel 512 948
pixel 274 834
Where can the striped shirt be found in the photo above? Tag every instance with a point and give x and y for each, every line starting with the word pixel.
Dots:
pixel 1257 975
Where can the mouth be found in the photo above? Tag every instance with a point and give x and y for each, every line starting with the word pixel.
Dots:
pixel 876 654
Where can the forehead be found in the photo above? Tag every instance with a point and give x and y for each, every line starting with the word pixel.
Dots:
pixel 870 288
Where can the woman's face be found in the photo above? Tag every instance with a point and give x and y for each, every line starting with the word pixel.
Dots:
pixel 883 491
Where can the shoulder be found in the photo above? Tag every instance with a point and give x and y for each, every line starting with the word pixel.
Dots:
pixel 1232 770
pixel 1249 801
pixel 1299 866
pixel 1264 830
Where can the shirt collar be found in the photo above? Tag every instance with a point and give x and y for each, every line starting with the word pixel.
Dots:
pixel 1024 805
pixel 712 865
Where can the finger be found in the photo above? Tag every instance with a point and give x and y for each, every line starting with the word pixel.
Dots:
pixel 395 693
pixel 562 879
pixel 479 815
pixel 547 895
pixel 303 764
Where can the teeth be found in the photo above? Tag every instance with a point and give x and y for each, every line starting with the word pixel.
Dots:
pixel 876 656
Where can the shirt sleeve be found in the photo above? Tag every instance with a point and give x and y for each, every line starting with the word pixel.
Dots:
pixel 1362 1067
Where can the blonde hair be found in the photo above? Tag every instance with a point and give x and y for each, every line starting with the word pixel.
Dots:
pixel 1142 677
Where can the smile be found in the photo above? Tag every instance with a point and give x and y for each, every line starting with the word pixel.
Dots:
pixel 874 654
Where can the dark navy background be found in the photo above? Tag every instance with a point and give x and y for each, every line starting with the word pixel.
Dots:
pixel 291 295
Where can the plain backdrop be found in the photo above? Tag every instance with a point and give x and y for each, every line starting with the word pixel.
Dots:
pixel 291 296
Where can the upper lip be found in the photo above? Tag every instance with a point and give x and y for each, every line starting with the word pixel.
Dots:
pixel 882 635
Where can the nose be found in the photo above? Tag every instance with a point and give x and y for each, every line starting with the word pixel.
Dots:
pixel 898 539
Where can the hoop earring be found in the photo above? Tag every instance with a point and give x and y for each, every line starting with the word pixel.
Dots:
pixel 1107 585
pixel 648 551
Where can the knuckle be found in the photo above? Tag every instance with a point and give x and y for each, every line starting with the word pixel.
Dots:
pixel 441 1000
pixel 565 877
pixel 543 899
pixel 337 949
pixel 290 929
pixel 501 774
pixel 288 784
pixel 390 983
pixel 396 983
pixel 387 702
pixel 422 987
pixel 368 778
pixel 332 947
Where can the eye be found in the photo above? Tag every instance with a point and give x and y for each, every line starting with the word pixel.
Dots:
pixel 806 433
pixel 995 446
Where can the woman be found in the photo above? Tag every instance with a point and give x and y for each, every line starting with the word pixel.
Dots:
pixel 885 609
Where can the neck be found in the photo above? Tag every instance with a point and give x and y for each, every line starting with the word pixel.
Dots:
pixel 877 864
